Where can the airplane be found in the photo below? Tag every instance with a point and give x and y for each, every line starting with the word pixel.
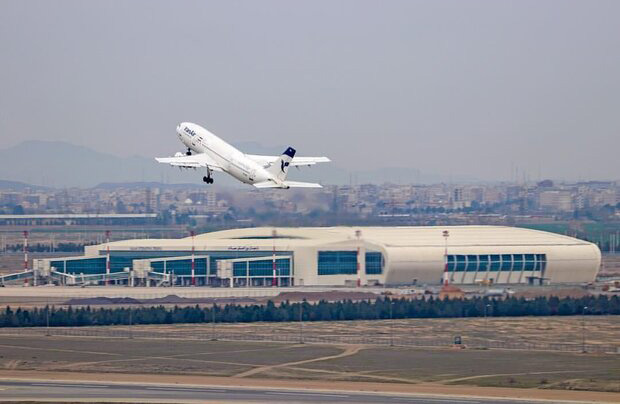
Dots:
pixel 204 149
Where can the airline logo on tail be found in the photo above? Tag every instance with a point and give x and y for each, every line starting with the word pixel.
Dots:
pixel 284 164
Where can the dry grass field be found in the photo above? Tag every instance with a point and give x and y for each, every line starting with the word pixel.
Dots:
pixel 600 330
pixel 358 363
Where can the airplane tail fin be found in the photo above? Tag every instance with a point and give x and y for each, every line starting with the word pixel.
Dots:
pixel 279 168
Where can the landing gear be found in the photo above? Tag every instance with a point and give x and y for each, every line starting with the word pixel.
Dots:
pixel 207 178
pixel 188 152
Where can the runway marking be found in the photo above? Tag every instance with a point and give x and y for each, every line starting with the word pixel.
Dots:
pixel 307 394
pixel 187 390
pixel 57 350
pixel 438 400
pixel 88 386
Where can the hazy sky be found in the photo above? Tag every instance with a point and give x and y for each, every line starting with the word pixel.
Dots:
pixel 449 87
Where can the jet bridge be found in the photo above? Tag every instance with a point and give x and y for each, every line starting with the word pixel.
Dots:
pixel 18 276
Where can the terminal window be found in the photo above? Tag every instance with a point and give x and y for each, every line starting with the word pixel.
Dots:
pixel 496 262
pixel 374 263
pixel 337 262
pixel 262 268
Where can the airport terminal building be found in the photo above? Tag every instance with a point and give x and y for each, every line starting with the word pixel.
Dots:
pixel 337 256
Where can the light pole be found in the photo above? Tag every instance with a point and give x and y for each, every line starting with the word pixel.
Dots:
pixel 274 280
pixel 391 324
pixel 445 234
pixel 583 329
pixel 301 322
pixel 358 235
pixel 130 322
pixel 486 325
pixel 47 319
pixel 107 257
pixel 193 259
pixel 213 338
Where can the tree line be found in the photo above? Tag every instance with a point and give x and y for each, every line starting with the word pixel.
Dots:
pixel 385 308
pixel 48 247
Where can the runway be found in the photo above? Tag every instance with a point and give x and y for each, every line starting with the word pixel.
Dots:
pixel 15 390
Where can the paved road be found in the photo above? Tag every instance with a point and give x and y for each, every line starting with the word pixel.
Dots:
pixel 78 391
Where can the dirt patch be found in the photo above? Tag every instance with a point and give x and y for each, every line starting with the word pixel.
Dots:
pixel 330 296
pixel 101 301
pixel 166 300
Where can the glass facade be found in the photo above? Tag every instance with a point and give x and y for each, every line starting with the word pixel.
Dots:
pixel 262 268
pixel 345 263
pixel 119 260
pixel 181 267
pixel 337 262
pixel 374 263
pixel 496 262
pixel 86 266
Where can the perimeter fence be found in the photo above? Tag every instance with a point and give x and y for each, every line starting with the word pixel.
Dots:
pixel 382 339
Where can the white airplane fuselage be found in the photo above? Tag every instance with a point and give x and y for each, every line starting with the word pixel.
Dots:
pixel 233 161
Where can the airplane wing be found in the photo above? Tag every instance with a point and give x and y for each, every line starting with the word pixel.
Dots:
pixel 297 184
pixel 193 161
pixel 287 184
pixel 297 161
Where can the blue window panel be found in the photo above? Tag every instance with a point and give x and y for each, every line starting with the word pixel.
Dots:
pixel 530 262
pixel 226 255
pixel 264 268
pixel 506 262
pixel 518 262
pixel 483 263
pixel 495 262
pixel 122 259
pixel 86 266
pixel 451 263
pixel 58 265
pixel 374 263
pixel 283 266
pixel 184 267
pixel 158 266
pixel 337 262
pixel 472 263
pixel 541 262
pixel 460 263
pixel 240 268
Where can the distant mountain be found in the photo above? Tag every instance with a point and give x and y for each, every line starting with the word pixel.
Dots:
pixel 61 164
pixel 18 186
